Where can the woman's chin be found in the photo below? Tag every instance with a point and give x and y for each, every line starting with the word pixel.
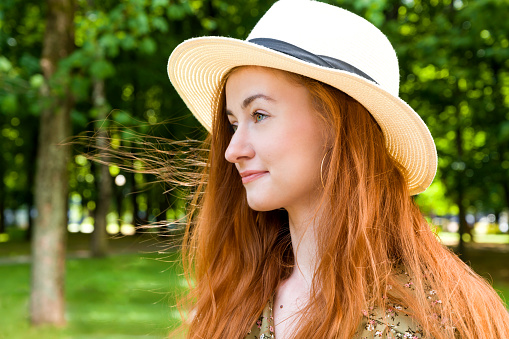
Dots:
pixel 261 206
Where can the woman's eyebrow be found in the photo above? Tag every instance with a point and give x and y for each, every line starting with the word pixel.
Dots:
pixel 247 101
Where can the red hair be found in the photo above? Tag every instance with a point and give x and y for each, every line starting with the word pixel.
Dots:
pixel 237 257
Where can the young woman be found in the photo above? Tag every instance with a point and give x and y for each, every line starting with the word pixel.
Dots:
pixel 304 225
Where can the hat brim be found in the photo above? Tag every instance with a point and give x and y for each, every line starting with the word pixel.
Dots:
pixel 197 66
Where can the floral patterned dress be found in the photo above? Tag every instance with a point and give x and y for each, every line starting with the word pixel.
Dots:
pixel 391 325
pixel 263 328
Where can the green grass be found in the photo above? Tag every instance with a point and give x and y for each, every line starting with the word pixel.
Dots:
pixel 132 295
pixel 123 296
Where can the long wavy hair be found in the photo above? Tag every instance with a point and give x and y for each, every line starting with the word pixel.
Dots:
pixel 235 257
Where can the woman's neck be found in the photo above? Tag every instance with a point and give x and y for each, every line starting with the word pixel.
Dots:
pixel 302 231
pixel 293 293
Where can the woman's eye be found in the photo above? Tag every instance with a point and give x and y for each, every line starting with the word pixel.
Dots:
pixel 234 127
pixel 259 116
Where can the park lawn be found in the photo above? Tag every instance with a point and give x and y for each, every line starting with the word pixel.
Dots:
pixel 122 296
pixel 132 295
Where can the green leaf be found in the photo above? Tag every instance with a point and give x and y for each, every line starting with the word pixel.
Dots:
pixel 122 117
pixel 128 42
pixel 9 103
pixel 79 118
pixel 160 24
pixel 36 80
pixel 102 69
pixel 148 45
pixel 160 3
pixel 176 12
pixel 30 63
pixel 209 24
pixel 78 59
pixel 504 132
pixel 139 24
pixel 80 86
pixel 5 64
pixel 109 42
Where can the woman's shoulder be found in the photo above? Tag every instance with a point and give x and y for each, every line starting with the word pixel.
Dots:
pixel 389 323
pixel 392 320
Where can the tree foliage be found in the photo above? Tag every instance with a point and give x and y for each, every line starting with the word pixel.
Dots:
pixel 454 72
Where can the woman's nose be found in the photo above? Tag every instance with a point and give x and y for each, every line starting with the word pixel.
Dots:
pixel 240 148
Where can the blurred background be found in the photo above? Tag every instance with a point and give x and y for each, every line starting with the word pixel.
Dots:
pixel 74 261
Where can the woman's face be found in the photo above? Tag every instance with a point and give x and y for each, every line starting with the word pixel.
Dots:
pixel 279 141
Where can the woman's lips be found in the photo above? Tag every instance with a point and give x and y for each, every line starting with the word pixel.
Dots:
pixel 249 176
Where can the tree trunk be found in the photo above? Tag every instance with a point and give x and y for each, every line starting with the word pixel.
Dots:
pixel 2 196
pixel 31 184
pixel 2 210
pixel 99 244
pixel 505 186
pixel 138 219
pixel 506 193
pixel 119 199
pixel 51 184
pixel 462 223
pixel 460 182
pixel 163 206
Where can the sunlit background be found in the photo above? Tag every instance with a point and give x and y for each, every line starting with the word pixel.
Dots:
pixel 454 61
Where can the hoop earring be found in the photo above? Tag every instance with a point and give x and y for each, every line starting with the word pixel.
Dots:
pixel 321 167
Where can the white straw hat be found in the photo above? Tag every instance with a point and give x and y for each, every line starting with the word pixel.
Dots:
pixel 325 43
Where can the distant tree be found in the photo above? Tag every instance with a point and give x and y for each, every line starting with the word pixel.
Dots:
pixel 104 183
pixel 47 302
pixel 20 78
